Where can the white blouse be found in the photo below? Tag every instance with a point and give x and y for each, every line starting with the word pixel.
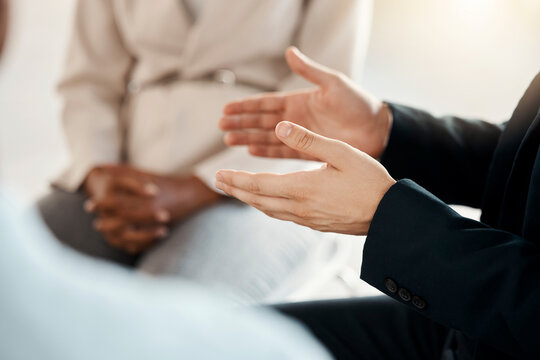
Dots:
pixel 143 80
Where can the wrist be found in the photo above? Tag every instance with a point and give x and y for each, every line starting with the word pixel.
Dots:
pixel 191 195
pixel 203 194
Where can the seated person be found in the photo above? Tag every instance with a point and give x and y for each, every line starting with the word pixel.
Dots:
pixel 143 87
pixel 464 289
pixel 57 305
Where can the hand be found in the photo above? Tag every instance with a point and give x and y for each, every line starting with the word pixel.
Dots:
pixel 336 108
pixel 341 197
pixel 134 207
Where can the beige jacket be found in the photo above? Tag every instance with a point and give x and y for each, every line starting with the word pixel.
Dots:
pixel 144 84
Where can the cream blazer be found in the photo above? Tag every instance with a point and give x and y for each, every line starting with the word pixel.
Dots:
pixel 145 81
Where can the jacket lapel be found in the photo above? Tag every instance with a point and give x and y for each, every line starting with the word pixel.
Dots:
pixel 231 32
pixel 520 180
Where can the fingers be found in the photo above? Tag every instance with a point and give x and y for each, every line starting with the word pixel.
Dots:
pixel 334 152
pixel 307 68
pixel 131 210
pixel 276 207
pixel 108 204
pixel 134 186
pixel 287 186
pixel 270 102
pixel 145 215
pixel 261 202
pixel 144 235
pixel 123 235
pixel 251 137
pixel 109 224
pixel 278 151
pixel 130 247
pixel 259 120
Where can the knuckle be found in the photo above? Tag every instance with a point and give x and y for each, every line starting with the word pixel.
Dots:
pixel 298 194
pixel 304 141
pixel 253 186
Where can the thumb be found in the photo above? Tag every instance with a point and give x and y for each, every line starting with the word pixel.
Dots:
pixel 308 69
pixel 334 152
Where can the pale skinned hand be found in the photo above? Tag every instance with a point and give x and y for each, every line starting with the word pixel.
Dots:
pixel 342 196
pixel 337 108
pixel 134 207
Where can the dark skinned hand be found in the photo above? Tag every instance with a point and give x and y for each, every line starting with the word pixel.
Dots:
pixel 134 207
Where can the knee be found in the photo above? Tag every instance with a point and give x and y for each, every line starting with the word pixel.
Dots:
pixel 64 214
pixel 62 211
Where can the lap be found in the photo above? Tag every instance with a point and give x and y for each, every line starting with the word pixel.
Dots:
pixel 370 328
pixel 234 247
pixel 229 246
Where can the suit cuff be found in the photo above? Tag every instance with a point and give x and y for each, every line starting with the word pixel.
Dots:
pixel 404 134
pixel 399 244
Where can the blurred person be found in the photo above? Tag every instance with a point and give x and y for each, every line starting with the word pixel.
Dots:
pixel 59 305
pixel 143 85
pixel 460 288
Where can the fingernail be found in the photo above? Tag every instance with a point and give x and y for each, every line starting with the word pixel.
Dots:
pixel 151 188
pixel 163 215
pixel 89 206
pixel 284 130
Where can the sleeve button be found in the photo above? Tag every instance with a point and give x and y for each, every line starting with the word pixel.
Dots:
pixel 418 302
pixel 391 285
pixel 404 294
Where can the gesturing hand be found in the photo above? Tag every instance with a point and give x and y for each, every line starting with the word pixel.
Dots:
pixel 342 196
pixel 336 108
pixel 134 207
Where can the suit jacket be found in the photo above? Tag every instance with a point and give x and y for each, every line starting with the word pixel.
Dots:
pixel 480 278
pixel 139 83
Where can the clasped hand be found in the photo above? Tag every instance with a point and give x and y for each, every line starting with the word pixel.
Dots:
pixel 134 208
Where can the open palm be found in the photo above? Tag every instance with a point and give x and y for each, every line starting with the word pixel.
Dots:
pixel 336 108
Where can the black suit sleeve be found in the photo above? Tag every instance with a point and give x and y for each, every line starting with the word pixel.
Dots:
pixel 473 278
pixel 448 156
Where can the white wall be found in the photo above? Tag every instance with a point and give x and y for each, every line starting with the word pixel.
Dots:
pixel 472 57
pixel 31 145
